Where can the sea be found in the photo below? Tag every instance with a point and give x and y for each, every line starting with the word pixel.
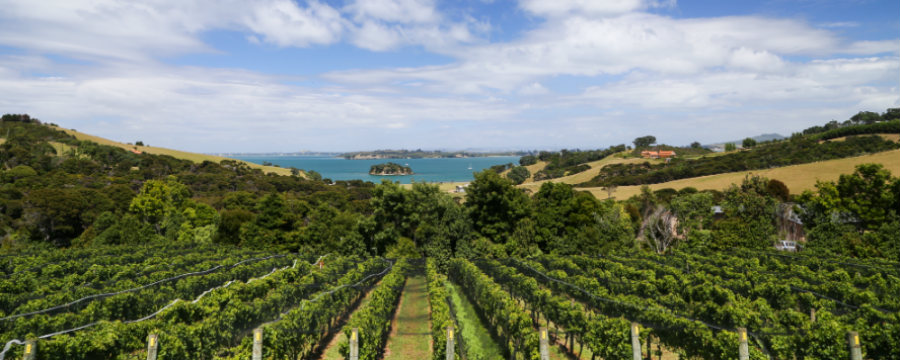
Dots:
pixel 426 170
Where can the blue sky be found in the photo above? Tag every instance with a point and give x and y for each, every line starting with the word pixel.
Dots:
pixel 343 75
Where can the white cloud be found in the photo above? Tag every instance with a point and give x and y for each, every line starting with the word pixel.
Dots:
pixel 728 75
pixel 557 8
pixel 534 88
pixel 579 46
pixel 131 30
pixel 399 11
pixel 376 36
pixel 283 23
pixel 203 109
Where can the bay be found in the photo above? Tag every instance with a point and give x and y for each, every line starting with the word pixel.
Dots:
pixel 426 170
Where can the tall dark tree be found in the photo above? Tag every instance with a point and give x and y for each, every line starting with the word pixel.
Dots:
pixel 495 205
pixel 644 141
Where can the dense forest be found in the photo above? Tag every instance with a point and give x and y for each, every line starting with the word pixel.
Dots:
pixel 62 192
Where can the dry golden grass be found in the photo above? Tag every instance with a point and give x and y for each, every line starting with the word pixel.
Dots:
pixel 587 175
pixel 797 177
pixel 533 168
pixel 197 158
pixel 891 137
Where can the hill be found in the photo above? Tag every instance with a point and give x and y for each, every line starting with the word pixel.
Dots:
pixel 720 146
pixel 178 154
pixel 797 177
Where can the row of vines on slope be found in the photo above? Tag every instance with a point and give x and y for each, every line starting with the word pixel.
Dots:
pixel 502 312
pixel 199 329
pixel 373 320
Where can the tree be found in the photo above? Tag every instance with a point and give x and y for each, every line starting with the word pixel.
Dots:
pixel 495 206
pixel 694 211
pixel 695 145
pixel 518 175
pixel 866 117
pixel 158 199
pixel 779 190
pixel 751 215
pixel 610 189
pixel 863 198
pixel 749 143
pixel 730 147
pixel 644 141
pixel 658 230
pixel 527 160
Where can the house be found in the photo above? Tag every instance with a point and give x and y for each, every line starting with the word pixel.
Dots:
pixel 664 154
pixel 461 188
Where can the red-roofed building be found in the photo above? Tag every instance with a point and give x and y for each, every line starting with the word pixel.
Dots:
pixel 665 154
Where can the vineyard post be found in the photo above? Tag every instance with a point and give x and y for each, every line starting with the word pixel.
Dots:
pixel 635 341
pixel 545 345
pixel 152 346
pixel 855 350
pixel 30 350
pixel 743 348
pixel 450 349
pixel 257 343
pixel 354 344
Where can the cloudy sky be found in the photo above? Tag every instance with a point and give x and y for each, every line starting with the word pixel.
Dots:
pixel 288 75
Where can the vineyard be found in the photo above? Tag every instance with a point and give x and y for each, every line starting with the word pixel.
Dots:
pixel 218 302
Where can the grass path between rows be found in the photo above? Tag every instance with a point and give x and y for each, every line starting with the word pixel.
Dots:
pixel 479 343
pixel 411 330
pixel 331 351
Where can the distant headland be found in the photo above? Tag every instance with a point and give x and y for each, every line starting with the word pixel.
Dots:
pixel 423 154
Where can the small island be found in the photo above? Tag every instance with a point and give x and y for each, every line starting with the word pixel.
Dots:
pixel 390 169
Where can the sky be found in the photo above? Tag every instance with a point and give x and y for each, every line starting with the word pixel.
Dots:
pixel 217 76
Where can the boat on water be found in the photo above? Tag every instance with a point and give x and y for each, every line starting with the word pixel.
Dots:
pixel 470 166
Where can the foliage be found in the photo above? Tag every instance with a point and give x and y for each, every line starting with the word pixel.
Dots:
pixel 440 310
pixel 528 160
pixel 390 169
pixel 518 175
pixel 799 150
pixel 495 206
pixel 510 322
pixel 567 162
pixel 644 141
pixel 374 319
pixel 856 215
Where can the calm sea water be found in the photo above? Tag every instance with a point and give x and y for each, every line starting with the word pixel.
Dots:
pixel 426 170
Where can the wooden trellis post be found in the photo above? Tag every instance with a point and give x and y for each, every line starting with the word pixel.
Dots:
pixel 855 349
pixel 450 349
pixel 354 344
pixel 545 344
pixel 152 346
pixel 635 342
pixel 743 348
pixel 30 350
pixel 257 343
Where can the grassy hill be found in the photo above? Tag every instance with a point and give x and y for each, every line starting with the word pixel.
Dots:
pixel 195 157
pixel 796 177
pixel 582 176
